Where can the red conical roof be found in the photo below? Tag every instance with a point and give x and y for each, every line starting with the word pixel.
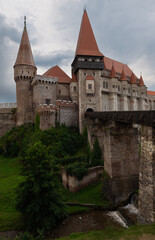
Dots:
pixel 86 44
pixel 141 82
pixel 113 72
pixel 123 76
pixel 56 71
pixel 25 55
pixel 133 78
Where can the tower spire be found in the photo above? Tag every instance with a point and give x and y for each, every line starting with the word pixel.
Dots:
pixel 87 44
pixel 24 22
pixel 25 55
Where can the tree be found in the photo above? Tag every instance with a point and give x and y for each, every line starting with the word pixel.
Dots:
pixel 38 198
pixel 37 122
pixel 96 154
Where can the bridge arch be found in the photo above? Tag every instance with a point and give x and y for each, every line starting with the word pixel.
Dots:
pixel 89 110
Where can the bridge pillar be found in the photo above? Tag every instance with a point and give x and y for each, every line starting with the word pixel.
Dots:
pixel 147 176
pixel 120 150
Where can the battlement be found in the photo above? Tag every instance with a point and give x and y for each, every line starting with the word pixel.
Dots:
pixel 47 109
pixel 64 103
pixel 44 80
pixel 8 105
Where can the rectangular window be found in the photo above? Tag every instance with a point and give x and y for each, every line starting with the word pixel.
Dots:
pixel 134 91
pixel 113 86
pixel 124 88
pixel 74 88
pixel 48 101
pixel 103 84
pixel 118 88
pixel 89 86
pixel 106 84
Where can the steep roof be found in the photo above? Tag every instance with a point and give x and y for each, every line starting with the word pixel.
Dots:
pixel 152 93
pixel 25 55
pixel 113 72
pixel 141 82
pixel 86 44
pixel 108 62
pixel 133 78
pixel 123 76
pixel 56 71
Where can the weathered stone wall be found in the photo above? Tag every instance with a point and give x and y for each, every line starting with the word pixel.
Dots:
pixel 147 176
pixel 120 152
pixel 68 115
pixel 63 91
pixel 7 120
pixel 74 185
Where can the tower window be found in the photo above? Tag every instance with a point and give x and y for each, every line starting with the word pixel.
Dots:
pixel 48 101
pixel 89 86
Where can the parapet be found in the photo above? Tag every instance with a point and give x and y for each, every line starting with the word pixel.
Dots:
pixel 47 109
pixel 64 103
pixel 39 79
pixel 8 105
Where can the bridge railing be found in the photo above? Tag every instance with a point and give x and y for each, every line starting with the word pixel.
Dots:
pixel 146 118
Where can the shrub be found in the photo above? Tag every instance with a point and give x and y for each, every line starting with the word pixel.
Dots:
pixel 96 154
pixel 77 169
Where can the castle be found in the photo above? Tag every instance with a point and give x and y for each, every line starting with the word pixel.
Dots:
pixel 98 83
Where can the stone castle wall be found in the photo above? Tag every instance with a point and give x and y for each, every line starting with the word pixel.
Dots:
pixel 120 152
pixel 147 176
pixel 7 120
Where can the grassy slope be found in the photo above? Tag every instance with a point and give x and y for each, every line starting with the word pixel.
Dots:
pixel 132 233
pixel 9 180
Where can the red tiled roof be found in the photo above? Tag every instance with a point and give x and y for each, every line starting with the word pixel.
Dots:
pixel 74 78
pixel 123 77
pixel 141 82
pixel 133 78
pixel 86 44
pixel 113 72
pixel 108 62
pixel 25 55
pixel 56 71
pixel 89 77
pixel 152 93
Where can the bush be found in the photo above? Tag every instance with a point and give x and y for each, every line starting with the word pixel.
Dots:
pixel 96 154
pixel 77 169
pixel 38 197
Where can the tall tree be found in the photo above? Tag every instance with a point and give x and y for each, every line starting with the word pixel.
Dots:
pixel 38 198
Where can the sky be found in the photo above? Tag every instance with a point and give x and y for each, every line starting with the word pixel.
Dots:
pixel 124 31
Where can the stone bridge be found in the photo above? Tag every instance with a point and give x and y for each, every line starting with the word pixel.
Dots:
pixel 127 140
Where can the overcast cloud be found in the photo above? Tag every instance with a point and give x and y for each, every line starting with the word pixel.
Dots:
pixel 124 30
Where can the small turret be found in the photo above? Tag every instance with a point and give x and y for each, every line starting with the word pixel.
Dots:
pixel 24 71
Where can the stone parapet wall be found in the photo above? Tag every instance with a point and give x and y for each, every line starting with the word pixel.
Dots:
pixel 147 176
pixel 74 185
pixel 8 105
pixel 7 120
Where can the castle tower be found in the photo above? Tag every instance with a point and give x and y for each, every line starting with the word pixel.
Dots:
pixel 24 71
pixel 87 66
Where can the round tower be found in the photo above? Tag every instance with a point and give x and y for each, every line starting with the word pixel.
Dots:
pixel 24 71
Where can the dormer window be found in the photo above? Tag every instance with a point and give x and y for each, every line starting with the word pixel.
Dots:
pixel 90 84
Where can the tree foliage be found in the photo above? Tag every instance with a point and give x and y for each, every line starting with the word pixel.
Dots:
pixel 38 198
pixel 96 154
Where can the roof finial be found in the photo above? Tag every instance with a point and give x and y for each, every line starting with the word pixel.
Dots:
pixel 24 21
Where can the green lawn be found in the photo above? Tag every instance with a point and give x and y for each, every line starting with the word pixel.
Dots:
pixel 9 180
pixel 132 233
